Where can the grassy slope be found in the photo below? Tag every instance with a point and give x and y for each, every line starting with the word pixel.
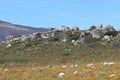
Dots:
pixel 59 54
pixel 37 62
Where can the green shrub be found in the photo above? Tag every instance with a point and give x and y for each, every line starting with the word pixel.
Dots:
pixel 91 39
pixel 74 36
pixel 92 27
pixel 116 43
pixel 54 39
pixel 12 60
pixel 111 33
pixel 66 54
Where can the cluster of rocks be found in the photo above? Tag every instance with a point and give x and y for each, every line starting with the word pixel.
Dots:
pixel 97 32
pixel 80 39
pixel 40 35
pixel 37 35
pixel 65 29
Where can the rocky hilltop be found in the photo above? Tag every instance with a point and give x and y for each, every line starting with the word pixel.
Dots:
pixel 75 36
pixel 68 53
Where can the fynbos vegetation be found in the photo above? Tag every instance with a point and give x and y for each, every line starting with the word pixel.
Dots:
pixel 64 54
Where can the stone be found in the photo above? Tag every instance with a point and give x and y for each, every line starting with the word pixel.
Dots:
pixel 90 65
pixel 96 33
pixel 82 35
pixel 99 26
pixel 64 66
pixel 112 75
pixel 108 63
pixel 64 40
pixel 36 35
pixel 9 45
pixel 75 28
pixel 65 29
pixel 53 34
pixel 109 28
pixel 73 41
pixel 76 73
pixel 61 74
pixel 44 36
pixel 81 38
pixel 106 37
pixel 6 70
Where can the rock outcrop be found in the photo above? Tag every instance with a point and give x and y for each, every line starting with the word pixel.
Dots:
pixel 99 32
pixel 75 28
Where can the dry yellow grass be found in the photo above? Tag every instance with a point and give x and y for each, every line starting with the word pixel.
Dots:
pixel 96 72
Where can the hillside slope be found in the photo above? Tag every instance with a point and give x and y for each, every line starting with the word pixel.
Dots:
pixel 7 28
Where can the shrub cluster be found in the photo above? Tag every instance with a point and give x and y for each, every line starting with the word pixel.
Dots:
pixel 111 33
pixel 74 36
pixel 91 39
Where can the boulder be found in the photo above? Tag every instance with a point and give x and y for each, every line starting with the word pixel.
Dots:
pixel 82 35
pixel 80 40
pixel 8 46
pixel 64 40
pixel 44 35
pixel 97 33
pixel 99 26
pixel 61 74
pixel 107 29
pixel 65 29
pixel 75 28
pixel 36 35
pixel 24 38
pixel 106 37
pixel 9 37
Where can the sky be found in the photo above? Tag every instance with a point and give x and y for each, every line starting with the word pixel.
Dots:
pixel 55 13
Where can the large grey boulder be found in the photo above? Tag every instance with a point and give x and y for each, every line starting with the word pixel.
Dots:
pixel 99 26
pixel 108 28
pixel 75 28
pixel 36 35
pixel 53 34
pixel 8 46
pixel 80 40
pixel 97 33
pixel 44 35
pixel 65 29
pixel 23 38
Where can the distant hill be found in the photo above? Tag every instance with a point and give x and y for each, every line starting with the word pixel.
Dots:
pixel 7 28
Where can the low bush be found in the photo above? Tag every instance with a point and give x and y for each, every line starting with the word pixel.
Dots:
pixel 66 54
pixel 116 44
pixel 92 45
pixel 111 33
pixel 54 39
pixel 12 60
pixel 74 36
pixel 92 27
pixel 91 39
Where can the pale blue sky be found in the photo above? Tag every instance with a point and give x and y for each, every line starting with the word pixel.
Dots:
pixel 55 13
